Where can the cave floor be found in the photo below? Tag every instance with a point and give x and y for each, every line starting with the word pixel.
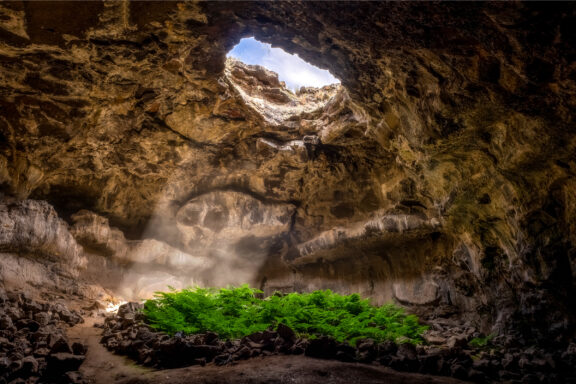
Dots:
pixel 104 367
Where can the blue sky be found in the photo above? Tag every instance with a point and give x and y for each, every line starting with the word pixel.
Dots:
pixel 290 68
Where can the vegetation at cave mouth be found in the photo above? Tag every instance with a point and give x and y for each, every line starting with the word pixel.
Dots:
pixel 233 313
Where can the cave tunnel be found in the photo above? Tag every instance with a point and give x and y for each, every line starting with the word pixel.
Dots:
pixel 435 175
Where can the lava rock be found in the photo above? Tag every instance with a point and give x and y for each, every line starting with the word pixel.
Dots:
pixel 60 363
pixel 346 353
pixel 129 309
pixel 72 377
pixel 29 365
pixel 322 347
pixel 60 345
pixel 286 333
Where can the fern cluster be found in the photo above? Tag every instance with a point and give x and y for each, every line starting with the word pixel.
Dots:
pixel 237 312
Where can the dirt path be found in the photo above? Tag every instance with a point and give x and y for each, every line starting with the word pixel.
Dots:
pixel 287 370
pixel 102 366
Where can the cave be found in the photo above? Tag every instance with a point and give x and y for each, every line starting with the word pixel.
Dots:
pixel 291 69
pixel 438 174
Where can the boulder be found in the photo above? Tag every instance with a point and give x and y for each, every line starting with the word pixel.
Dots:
pixel 60 363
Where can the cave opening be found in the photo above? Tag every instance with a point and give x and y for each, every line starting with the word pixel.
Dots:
pixel 291 69
pixel 279 86
pixel 186 165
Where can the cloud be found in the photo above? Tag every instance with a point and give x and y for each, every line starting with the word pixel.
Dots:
pixel 290 68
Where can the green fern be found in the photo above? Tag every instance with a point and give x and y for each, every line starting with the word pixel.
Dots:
pixel 233 313
pixel 481 342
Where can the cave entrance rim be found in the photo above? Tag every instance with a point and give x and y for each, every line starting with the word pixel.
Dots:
pixel 292 70
pixel 279 86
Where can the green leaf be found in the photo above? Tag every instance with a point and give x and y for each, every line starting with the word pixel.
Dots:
pixel 235 312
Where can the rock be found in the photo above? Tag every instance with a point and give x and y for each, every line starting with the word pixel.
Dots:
pixel 299 347
pixel 28 324
pixel 347 353
pixel 322 347
pixel 41 352
pixel 434 340
pixel 14 313
pixel 222 359
pixel 477 376
pixel 387 348
pixel 207 352
pixel 16 363
pixel 201 362
pixel 59 363
pixel 530 379
pixel 367 351
pixel 74 377
pixel 447 165
pixel 430 363
pixel 29 365
pixel 329 149
pixel 5 343
pixel 406 358
pixel 43 318
pixel 243 353
pixel 34 227
pixel 211 338
pixel 256 337
pixel 510 361
pixel 60 345
pixel 457 342
pixel 459 371
pixel 6 322
pixel 16 297
pixel 407 350
pixel 31 306
pixel 129 310
pixel 18 381
pixel 4 363
pixel 286 333
pixel 78 348
pixel 253 345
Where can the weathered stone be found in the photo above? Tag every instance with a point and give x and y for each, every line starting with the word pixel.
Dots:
pixel 407 350
pixel 29 365
pixel 43 318
pixel 60 345
pixel 322 347
pixel 128 310
pixel 286 333
pixel 6 322
pixel 457 342
pixel 29 324
pixel 387 348
pixel 60 363
pixel 73 377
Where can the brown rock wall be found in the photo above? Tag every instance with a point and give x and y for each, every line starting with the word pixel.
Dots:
pixel 457 113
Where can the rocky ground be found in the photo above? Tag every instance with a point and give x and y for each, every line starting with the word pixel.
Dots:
pixel 440 175
pixel 34 347
pixel 37 345
pixel 446 353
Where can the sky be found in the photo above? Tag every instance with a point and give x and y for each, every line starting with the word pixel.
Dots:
pixel 290 68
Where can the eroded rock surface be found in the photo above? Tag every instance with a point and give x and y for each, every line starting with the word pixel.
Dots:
pixel 457 118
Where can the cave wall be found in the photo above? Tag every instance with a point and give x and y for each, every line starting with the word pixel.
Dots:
pixel 441 173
